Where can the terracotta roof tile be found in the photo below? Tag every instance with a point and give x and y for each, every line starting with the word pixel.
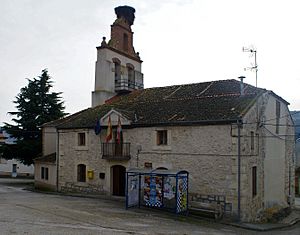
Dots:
pixel 216 101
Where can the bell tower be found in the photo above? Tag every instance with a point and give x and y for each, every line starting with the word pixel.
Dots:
pixel 118 66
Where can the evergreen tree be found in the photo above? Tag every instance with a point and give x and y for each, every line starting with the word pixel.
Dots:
pixel 35 105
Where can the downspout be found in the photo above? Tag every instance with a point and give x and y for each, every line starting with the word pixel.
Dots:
pixel 239 125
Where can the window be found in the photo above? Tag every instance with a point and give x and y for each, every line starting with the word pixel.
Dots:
pixel 277 116
pixel 81 173
pixel 162 137
pixel 252 140
pixel 125 42
pixel 45 173
pixel 81 139
pixel 254 181
pixel 117 70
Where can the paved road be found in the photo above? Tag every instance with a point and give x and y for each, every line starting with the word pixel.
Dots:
pixel 26 212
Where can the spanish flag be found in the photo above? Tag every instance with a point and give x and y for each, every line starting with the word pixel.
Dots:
pixel 109 130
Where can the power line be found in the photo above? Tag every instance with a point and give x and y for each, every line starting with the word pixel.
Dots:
pixel 290 114
pixel 271 124
pixel 272 119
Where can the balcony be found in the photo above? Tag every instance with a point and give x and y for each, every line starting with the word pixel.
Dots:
pixel 114 151
pixel 125 83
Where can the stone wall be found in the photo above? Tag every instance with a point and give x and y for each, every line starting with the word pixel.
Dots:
pixel 251 204
pixel 278 154
pixel 208 153
pixel 290 162
pixel 71 155
pixel 45 184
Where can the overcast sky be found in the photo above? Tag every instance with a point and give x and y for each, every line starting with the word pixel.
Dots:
pixel 180 41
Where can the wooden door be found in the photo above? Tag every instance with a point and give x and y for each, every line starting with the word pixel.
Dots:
pixel 118 180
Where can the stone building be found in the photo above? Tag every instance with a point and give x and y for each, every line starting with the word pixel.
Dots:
pixel 234 139
pixel 45 167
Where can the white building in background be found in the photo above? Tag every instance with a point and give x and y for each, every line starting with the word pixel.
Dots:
pixel 13 167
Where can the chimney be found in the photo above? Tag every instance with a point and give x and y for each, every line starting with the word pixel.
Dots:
pixel 242 84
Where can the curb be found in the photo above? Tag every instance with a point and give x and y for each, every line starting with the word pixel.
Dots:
pixel 95 196
pixel 263 227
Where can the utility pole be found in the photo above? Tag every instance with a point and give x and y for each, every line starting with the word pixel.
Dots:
pixel 254 67
pixel 239 126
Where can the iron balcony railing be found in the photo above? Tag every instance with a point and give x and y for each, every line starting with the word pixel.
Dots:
pixel 115 151
pixel 124 84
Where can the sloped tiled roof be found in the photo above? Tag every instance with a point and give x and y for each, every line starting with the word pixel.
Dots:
pixel 208 102
pixel 59 121
pixel 50 158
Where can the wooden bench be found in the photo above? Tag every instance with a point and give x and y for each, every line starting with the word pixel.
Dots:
pixel 208 204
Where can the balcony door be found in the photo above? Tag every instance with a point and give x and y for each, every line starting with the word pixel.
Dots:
pixel 118 180
pixel 118 144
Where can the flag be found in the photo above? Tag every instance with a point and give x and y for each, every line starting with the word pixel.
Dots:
pixel 109 131
pixel 97 127
pixel 119 130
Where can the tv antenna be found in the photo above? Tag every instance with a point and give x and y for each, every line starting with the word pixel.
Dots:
pixel 252 52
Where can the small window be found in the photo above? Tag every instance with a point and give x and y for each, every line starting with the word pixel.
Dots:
pixel 162 137
pixel 81 139
pixel 254 181
pixel 81 173
pixel 46 173
pixel 252 140
pixel 43 172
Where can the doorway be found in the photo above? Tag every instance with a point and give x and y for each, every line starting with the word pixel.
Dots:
pixel 118 180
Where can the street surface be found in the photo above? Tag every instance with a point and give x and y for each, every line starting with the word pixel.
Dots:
pixel 26 212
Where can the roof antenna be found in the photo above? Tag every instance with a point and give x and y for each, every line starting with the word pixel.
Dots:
pixel 253 66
